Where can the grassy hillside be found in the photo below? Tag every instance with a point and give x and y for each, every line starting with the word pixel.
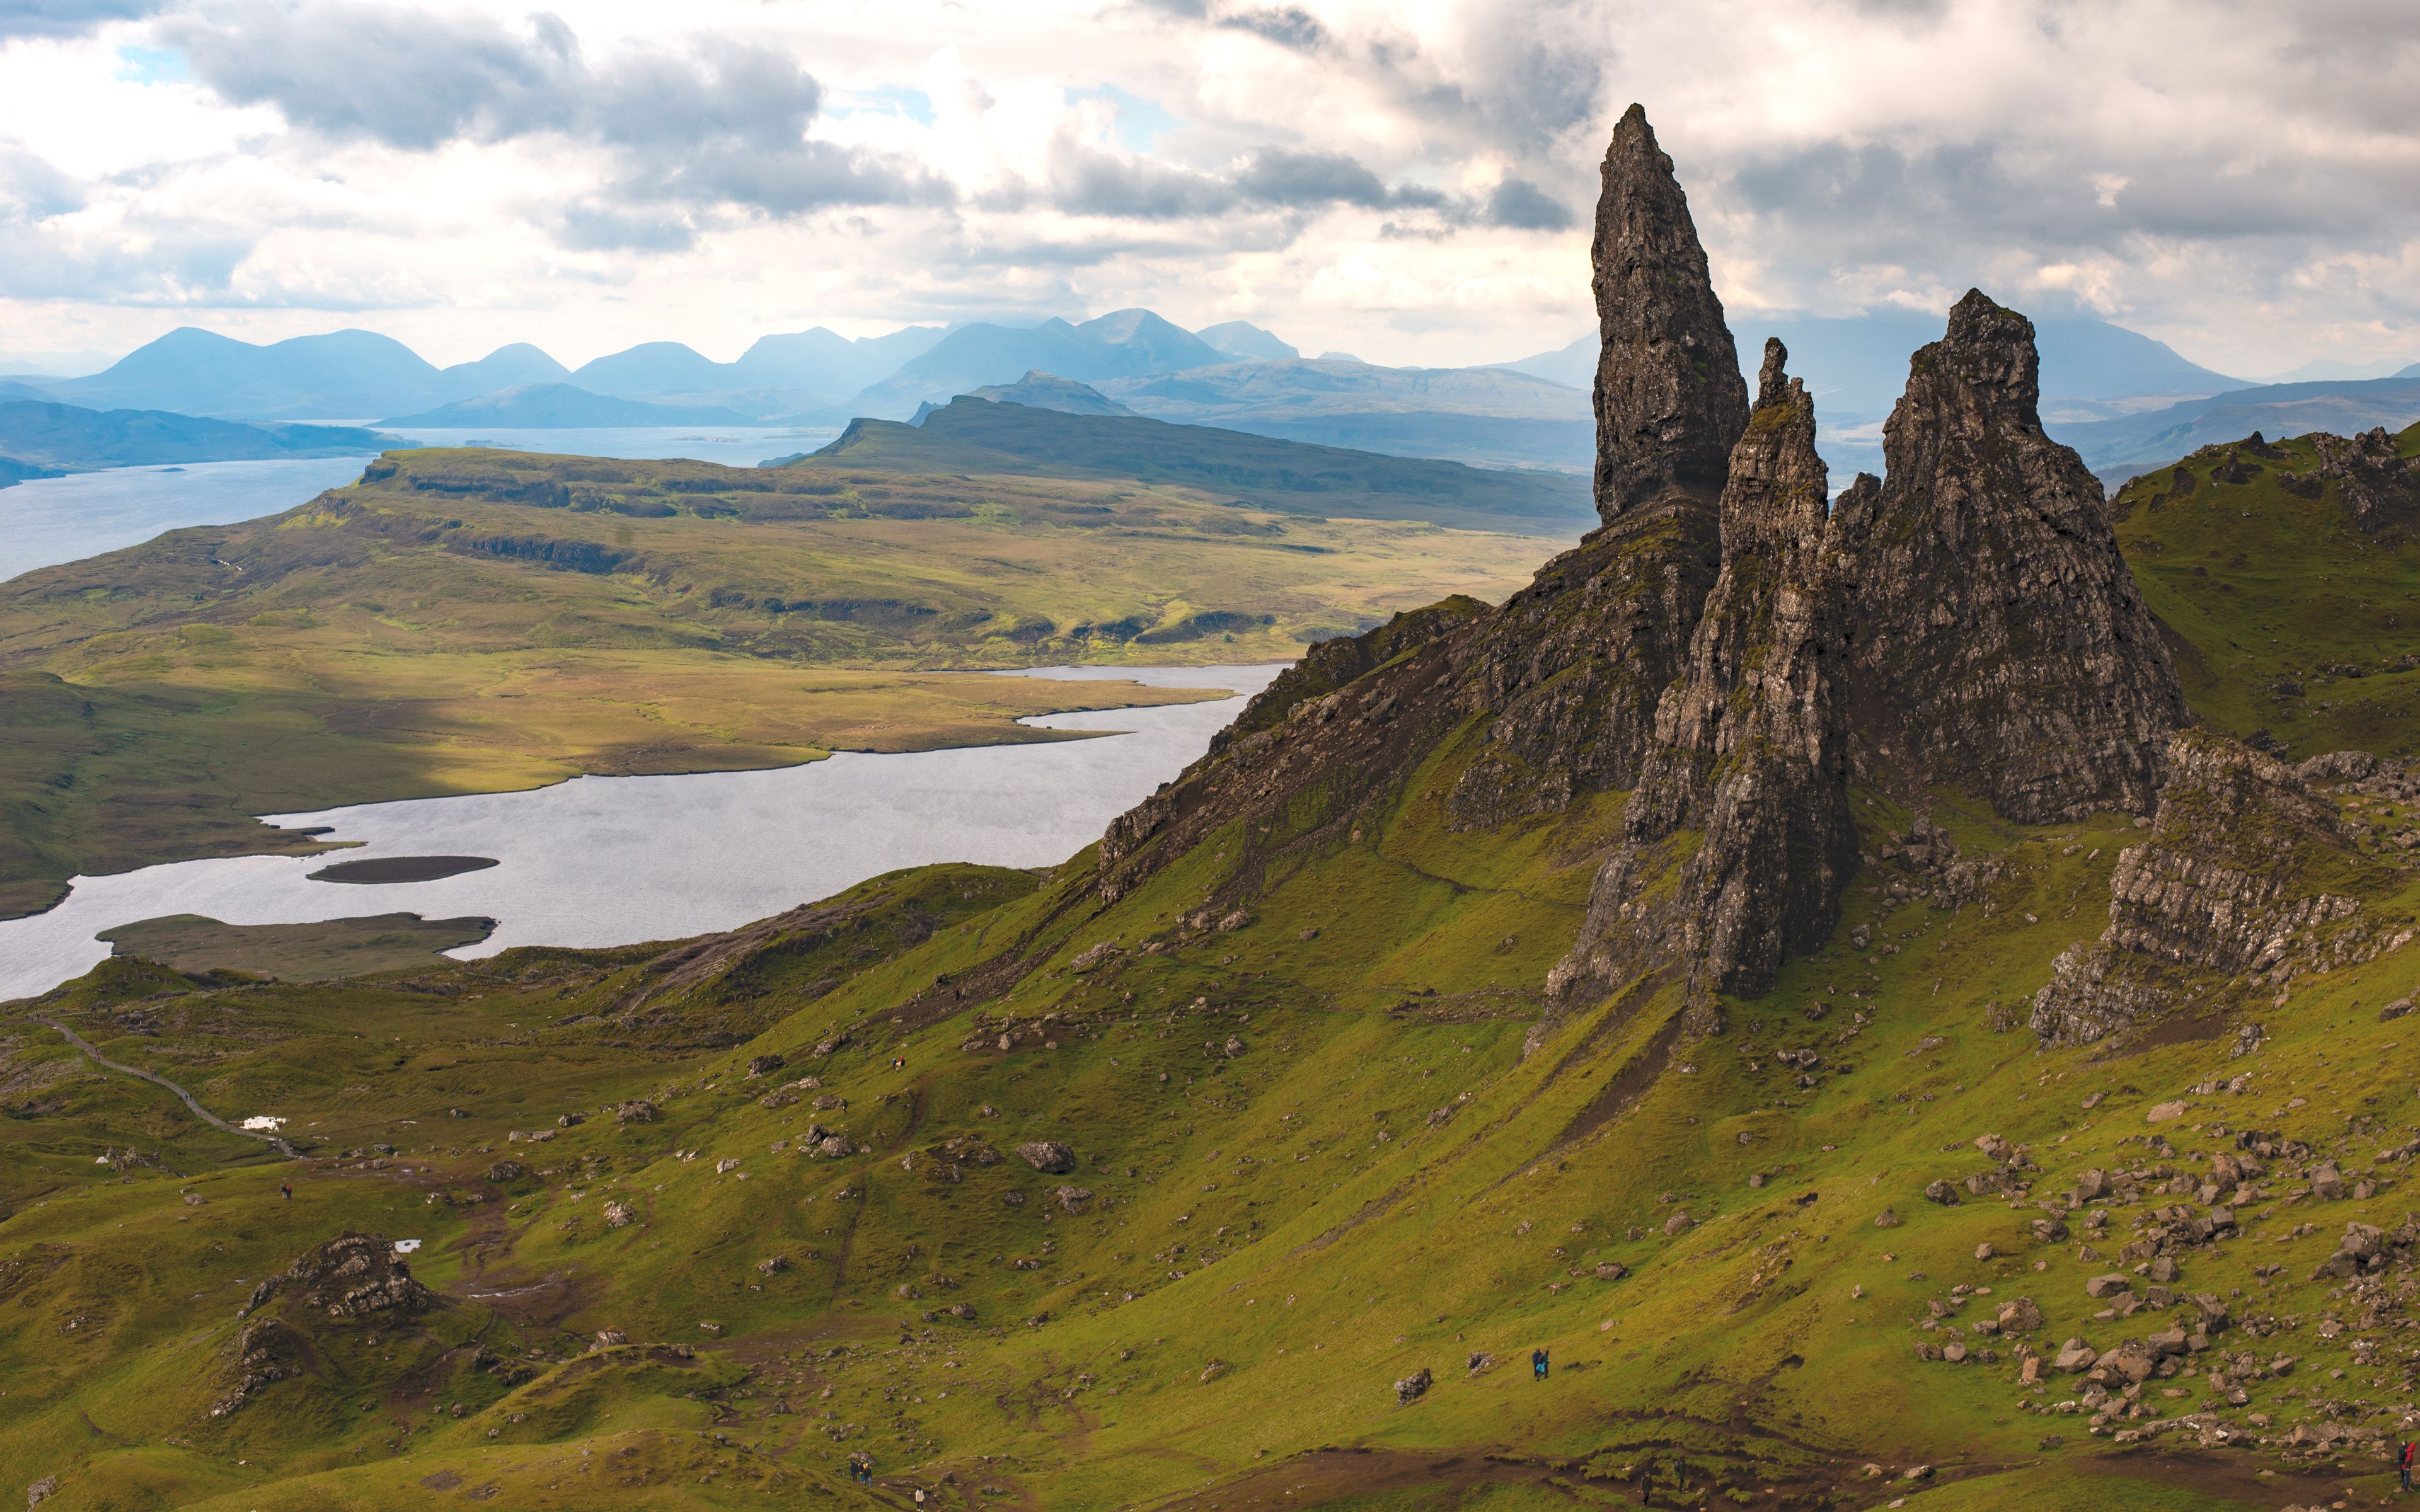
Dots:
pixel 1309 1156
pixel 2292 625
pixel 476 621
pixel 1292 477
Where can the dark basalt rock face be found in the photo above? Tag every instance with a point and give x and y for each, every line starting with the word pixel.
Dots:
pixel 2223 894
pixel 1567 674
pixel 1669 399
pixel 1575 664
pixel 2001 646
pixel 1751 744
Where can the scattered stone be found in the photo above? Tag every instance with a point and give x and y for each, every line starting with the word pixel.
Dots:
pixel 763 1064
pixel 637 1111
pixel 620 1215
pixel 2108 1286
pixel 2073 1356
pixel 2164 1113
pixel 611 1337
pixel 504 1171
pixel 772 1265
pixel 1414 1386
pixel 2327 1182
pixel 1680 1223
pixel 1047 1156
pixel 1886 1219
pixel 1073 1199
pixel 1943 1192
pixel 1984 1250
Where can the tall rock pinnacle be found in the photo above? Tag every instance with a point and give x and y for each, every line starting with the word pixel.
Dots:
pixel 2000 644
pixel 1751 742
pixel 1670 398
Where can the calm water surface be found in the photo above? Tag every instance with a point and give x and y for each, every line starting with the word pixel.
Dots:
pixel 50 520
pixel 602 861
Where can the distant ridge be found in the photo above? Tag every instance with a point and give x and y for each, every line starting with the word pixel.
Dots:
pixel 1047 391
pixel 2118 449
pixel 66 436
pixel 564 406
pixel 976 436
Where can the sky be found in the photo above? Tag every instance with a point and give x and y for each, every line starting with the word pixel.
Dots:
pixel 1409 180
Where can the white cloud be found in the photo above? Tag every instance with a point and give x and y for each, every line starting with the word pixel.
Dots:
pixel 1408 180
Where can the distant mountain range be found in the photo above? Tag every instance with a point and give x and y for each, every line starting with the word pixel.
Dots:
pixel 1487 415
pixel 2118 395
pixel 44 439
pixel 2118 449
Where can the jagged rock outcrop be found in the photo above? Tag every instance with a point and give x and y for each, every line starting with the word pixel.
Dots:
pixel 351 1275
pixel 1751 744
pixel 2225 891
pixel 1565 677
pixel 1574 666
pixel 1999 642
pixel 2380 487
pixel 1670 398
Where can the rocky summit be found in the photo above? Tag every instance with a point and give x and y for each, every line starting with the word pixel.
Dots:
pixel 2000 644
pixel 1898 1004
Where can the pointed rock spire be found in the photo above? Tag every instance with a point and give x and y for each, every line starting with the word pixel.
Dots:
pixel 2000 645
pixel 1670 398
pixel 1751 740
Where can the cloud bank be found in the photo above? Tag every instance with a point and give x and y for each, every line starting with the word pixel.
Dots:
pixel 1412 183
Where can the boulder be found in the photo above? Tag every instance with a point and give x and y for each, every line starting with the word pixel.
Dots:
pixel 2327 1182
pixel 2108 1286
pixel 638 1110
pixel 1886 1219
pixel 1680 1223
pixel 620 1215
pixel 762 1064
pixel 1073 1199
pixel 1943 1192
pixel 1413 1387
pixel 1047 1156
pixel 2020 1317
pixel 2074 1355
pixel 2164 1113
pixel 506 1170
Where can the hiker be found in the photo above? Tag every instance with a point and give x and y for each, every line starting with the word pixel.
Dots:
pixel 1537 1365
pixel 2403 1459
pixel 286 1187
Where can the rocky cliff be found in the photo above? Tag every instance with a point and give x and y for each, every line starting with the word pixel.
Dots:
pixel 1562 682
pixel 1750 753
pixel 1670 398
pixel 2247 879
pixel 1999 642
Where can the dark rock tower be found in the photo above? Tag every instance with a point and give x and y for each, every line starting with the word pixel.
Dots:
pixel 1670 398
pixel 1999 642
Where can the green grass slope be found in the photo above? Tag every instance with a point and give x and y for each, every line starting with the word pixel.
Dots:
pixel 701 1222
pixel 2291 625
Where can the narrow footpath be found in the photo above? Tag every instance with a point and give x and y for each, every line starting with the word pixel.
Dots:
pixel 190 1101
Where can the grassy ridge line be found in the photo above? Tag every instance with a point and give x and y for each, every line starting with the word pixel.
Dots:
pixel 976 436
pixel 2292 628
pixel 483 621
